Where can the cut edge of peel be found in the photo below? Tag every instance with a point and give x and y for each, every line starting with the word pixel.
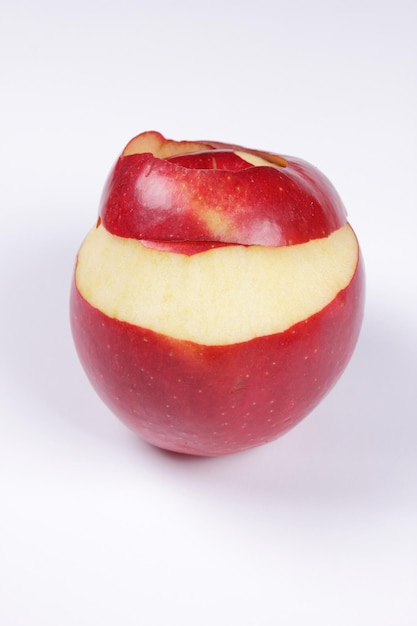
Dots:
pixel 156 144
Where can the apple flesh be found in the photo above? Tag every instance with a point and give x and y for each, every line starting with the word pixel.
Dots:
pixel 221 296
pixel 213 312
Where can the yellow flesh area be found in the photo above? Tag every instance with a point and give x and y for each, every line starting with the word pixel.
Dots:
pixel 220 296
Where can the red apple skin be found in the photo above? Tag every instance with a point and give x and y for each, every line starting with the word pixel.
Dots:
pixel 211 160
pixel 213 400
pixel 159 199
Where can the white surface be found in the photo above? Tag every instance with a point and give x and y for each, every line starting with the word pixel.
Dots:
pixel 96 527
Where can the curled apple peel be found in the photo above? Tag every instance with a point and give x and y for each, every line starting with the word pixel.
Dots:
pixel 220 295
pixel 161 190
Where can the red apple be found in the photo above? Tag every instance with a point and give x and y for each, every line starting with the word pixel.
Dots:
pixel 219 296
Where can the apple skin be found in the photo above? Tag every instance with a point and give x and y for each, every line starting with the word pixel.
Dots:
pixel 214 195
pixel 214 400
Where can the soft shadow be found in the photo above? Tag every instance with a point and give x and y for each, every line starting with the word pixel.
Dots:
pixel 177 458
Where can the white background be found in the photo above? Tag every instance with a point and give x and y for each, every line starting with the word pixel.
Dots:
pixel 96 527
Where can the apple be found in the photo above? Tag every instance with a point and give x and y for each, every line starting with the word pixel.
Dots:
pixel 219 296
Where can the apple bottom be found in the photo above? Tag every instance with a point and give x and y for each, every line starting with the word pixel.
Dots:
pixel 211 400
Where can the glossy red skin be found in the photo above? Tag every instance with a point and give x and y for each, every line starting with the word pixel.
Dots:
pixel 149 198
pixel 211 160
pixel 214 400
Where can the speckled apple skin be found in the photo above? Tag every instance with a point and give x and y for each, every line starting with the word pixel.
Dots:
pixel 158 199
pixel 214 400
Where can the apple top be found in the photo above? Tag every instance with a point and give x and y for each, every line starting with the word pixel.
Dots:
pixel 168 191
